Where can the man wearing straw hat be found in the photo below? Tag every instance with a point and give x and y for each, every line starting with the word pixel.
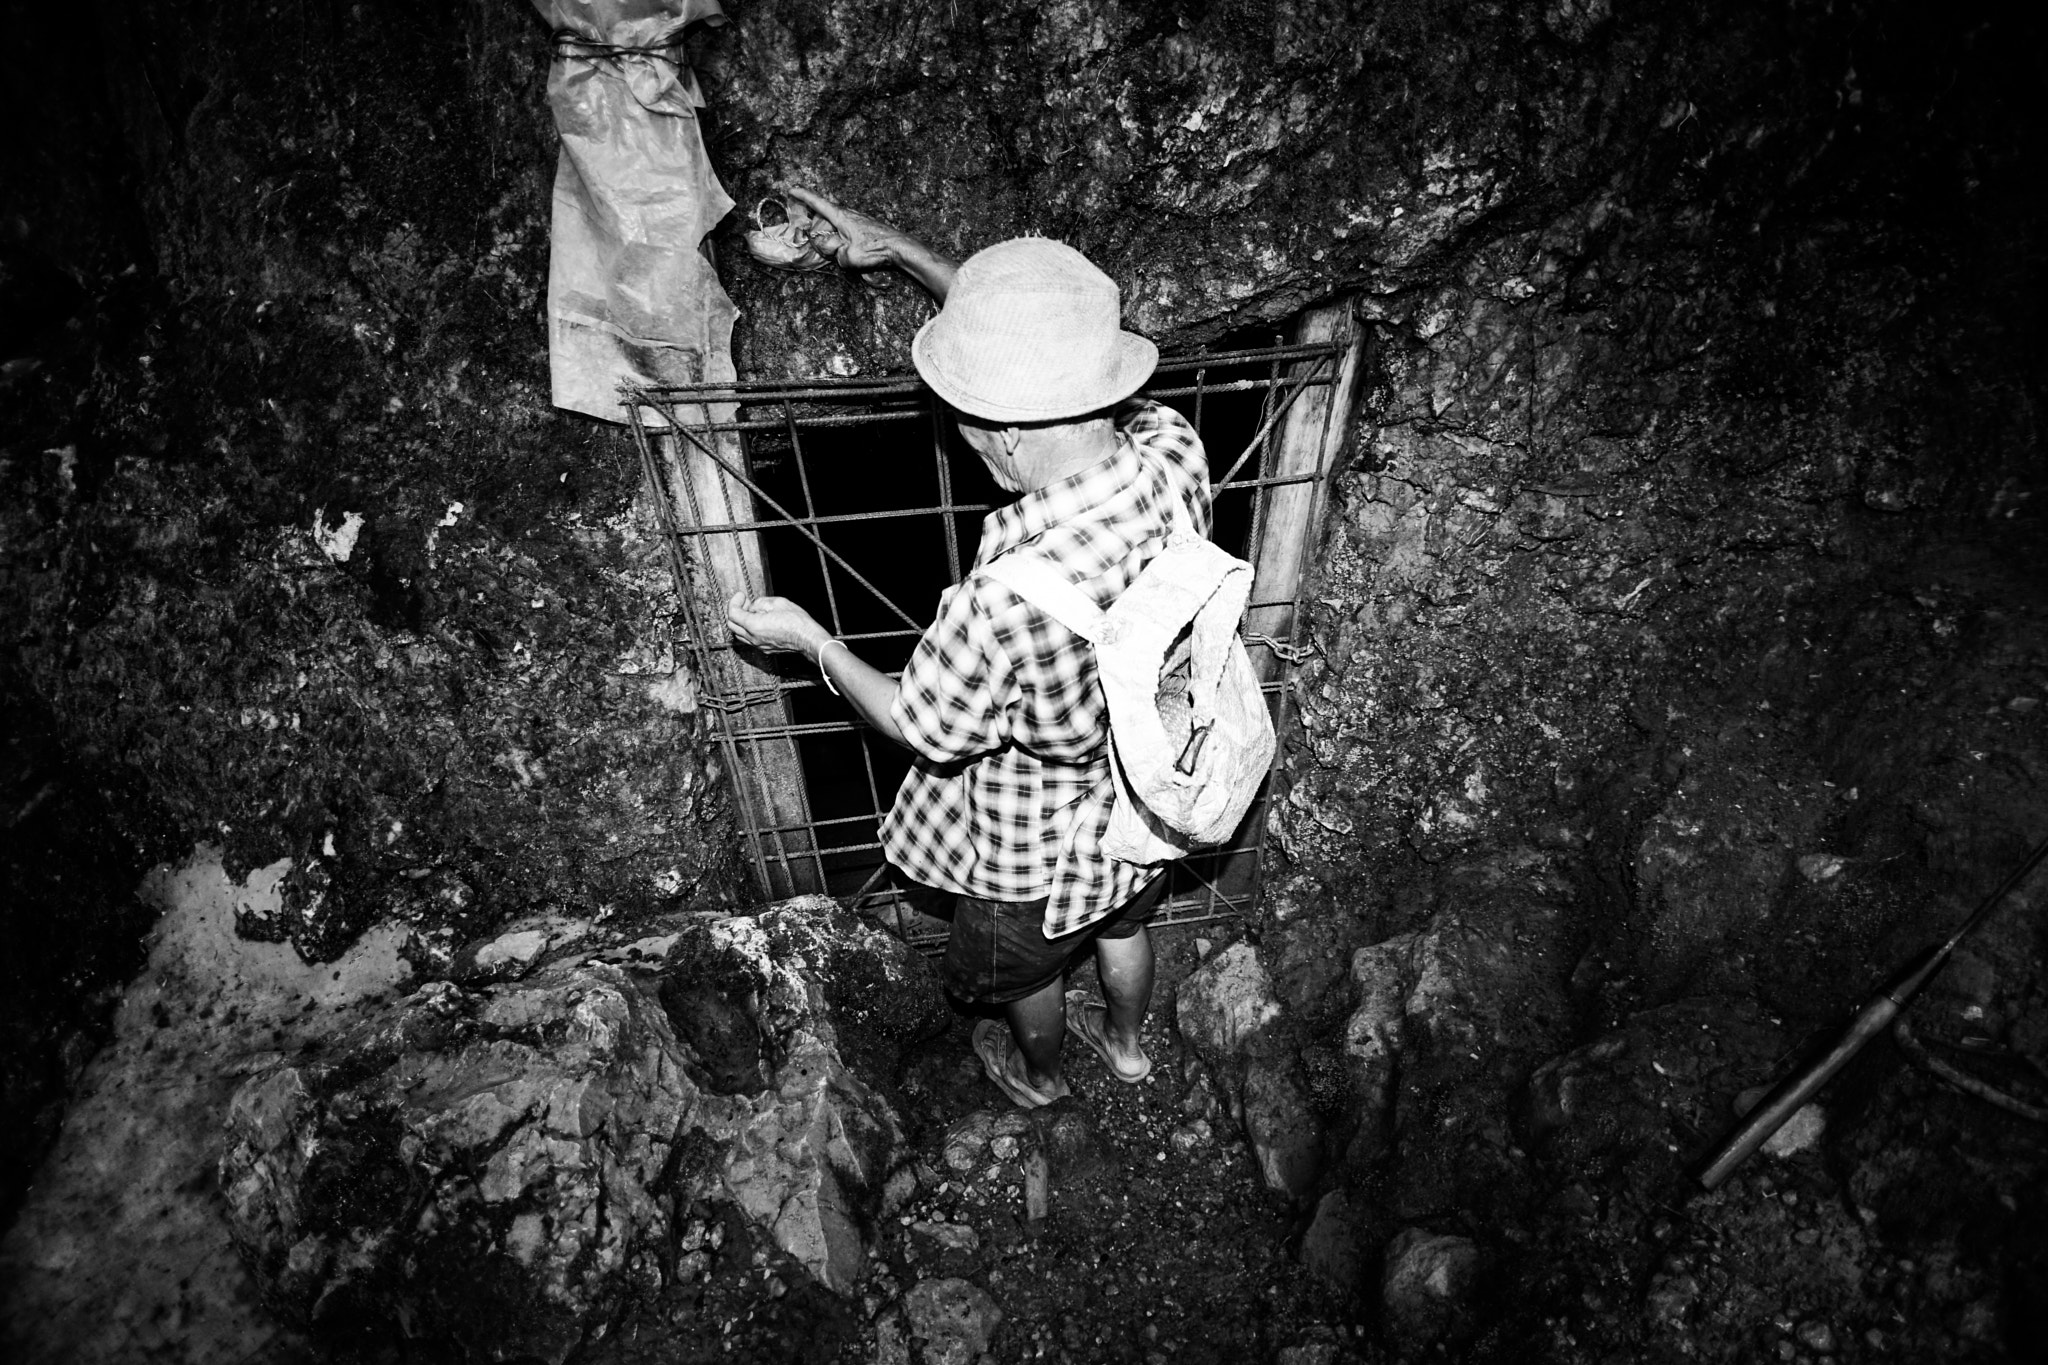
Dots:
pixel 1005 807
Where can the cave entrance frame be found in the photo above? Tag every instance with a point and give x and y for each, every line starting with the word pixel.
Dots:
pixel 728 471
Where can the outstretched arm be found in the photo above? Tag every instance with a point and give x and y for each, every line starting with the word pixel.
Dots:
pixel 779 625
pixel 863 243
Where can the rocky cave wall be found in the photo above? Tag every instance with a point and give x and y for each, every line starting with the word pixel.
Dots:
pixel 1675 546
pixel 1690 337
pixel 1690 334
pixel 298 559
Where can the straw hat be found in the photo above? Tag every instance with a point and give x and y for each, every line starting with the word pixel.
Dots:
pixel 1031 332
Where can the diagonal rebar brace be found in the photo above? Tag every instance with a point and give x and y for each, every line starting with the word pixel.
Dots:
pixel 1279 411
pixel 795 522
pixel 727 740
pixel 1215 892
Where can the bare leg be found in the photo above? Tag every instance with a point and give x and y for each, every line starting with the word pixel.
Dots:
pixel 1124 967
pixel 1039 1024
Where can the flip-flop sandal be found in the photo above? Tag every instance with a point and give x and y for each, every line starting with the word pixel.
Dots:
pixel 1086 1019
pixel 998 1052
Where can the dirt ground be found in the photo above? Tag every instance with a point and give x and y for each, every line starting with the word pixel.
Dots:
pixel 1153 1249
pixel 1160 1250
pixel 1914 1231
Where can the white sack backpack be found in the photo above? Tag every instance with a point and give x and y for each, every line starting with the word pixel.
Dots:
pixel 1190 738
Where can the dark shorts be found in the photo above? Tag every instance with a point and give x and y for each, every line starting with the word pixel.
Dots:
pixel 998 952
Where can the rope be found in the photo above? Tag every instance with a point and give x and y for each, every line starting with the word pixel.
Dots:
pixel 569 44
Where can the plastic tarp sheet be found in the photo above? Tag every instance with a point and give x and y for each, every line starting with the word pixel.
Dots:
pixel 632 298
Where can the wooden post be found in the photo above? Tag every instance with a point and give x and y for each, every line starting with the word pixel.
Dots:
pixel 767 773
pixel 1307 442
pixel 1304 444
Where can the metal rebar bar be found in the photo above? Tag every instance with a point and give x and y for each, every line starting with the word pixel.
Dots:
pixel 1292 350
pixel 897 514
pixel 911 412
pixel 812 536
pixel 1273 413
pixel 855 388
pixel 742 760
pixel 1229 386
pixel 904 398
pixel 844 518
pixel 803 476
pixel 944 468
pixel 694 644
pixel 824 419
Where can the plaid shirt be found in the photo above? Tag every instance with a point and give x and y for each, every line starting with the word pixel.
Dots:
pixel 1009 796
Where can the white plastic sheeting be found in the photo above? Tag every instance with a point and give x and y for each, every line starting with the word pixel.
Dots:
pixel 632 298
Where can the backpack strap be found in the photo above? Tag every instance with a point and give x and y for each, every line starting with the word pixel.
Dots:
pixel 1034 579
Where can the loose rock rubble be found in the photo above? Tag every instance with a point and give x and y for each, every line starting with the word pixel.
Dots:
pixel 500 1167
pixel 1146 1247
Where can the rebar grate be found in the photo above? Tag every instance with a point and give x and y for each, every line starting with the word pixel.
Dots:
pixel 850 495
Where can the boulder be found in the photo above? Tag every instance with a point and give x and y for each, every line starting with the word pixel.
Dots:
pixel 890 1346
pixel 1330 1248
pixel 1072 1146
pixel 483 1166
pixel 1461 1009
pixel 1489 972
pixel 1373 1036
pixel 499 1166
pixel 1226 1002
pixel 1308 1353
pixel 1229 1016
pixel 943 1249
pixel 1427 1288
pixel 1307 946
pixel 1285 1132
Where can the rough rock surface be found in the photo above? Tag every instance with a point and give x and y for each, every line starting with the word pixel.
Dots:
pixel 1451 1018
pixel 1332 1248
pixel 407 626
pixel 951 1320
pixel 507 1150
pixel 1603 1112
pixel 499 1167
pixel 1226 166
pixel 1428 1287
pixel 121 1249
pixel 1228 1015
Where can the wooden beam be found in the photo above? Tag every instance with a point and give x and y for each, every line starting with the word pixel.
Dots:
pixel 1306 443
pixel 767 774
